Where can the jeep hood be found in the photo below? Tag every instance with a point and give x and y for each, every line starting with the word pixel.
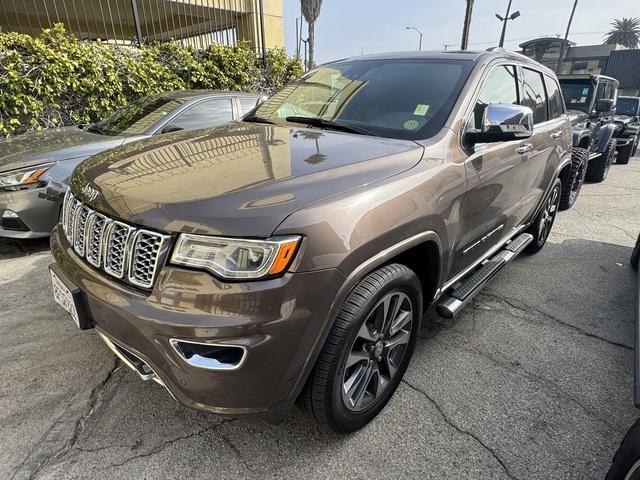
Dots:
pixel 243 179
pixel 54 145
pixel 577 116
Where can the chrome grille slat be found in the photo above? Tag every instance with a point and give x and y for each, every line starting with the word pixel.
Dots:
pixel 121 250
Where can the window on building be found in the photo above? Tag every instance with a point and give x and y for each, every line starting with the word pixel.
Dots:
pixel 499 87
pixel 533 95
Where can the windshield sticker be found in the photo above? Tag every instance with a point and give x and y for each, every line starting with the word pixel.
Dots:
pixel 411 124
pixel 583 99
pixel 585 91
pixel 421 109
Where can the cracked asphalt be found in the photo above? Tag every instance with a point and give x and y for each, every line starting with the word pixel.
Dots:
pixel 532 381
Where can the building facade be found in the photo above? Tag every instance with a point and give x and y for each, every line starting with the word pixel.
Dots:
pixel 198 23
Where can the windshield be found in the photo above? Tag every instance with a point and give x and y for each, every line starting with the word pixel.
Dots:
pixel 137 117
pixel 404 99
pixel 627 106
pixel 577 95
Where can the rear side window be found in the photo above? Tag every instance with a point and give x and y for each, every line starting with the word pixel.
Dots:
pixel 499 87
pixel 556 105
pixel 533 95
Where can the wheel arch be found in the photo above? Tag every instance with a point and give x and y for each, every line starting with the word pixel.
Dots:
pixel 606 133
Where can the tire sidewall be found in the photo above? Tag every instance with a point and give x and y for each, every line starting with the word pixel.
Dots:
pixel 340 417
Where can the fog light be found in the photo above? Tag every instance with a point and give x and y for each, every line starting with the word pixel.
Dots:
pixel 9 214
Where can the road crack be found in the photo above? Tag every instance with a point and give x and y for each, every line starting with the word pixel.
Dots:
pixel 462 431
pixel 528 309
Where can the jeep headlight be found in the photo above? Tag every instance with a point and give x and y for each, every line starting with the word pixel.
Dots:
pixel 23 177
pixel 236 259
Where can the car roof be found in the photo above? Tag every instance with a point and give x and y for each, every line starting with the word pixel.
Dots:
pixel 585 76
pixel 463 55
pixel 187 95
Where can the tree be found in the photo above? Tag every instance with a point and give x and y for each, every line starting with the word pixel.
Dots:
pixel 311 12
pixel 624 32
pixel 467 25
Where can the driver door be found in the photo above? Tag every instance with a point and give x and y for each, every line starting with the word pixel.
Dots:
pixel 496 177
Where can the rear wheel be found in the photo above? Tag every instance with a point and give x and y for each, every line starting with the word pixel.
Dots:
pixel 541 226
pixel 572 184
pixel 599 167
pixel 367 350
pixel 624 154
pixel 635 255
pixel 626 462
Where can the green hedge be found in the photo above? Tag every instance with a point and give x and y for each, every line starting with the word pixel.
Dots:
pixel 56 80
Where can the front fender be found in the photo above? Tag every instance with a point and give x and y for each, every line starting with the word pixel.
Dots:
pixel 581 136
pixel 604 135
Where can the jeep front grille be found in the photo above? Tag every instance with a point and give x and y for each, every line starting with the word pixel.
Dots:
pixel 121 250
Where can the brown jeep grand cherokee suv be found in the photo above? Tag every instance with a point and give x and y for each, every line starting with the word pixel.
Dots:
pixel 291 255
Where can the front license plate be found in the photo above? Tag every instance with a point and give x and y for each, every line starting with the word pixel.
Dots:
pixel 64 297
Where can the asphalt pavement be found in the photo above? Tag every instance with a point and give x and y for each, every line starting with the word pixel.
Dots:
pixel 532 381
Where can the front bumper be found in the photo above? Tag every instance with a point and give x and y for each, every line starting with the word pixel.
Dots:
pixel 277 321
pixel 37 213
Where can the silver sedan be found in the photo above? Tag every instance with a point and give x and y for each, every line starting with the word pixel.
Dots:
pixel 34 167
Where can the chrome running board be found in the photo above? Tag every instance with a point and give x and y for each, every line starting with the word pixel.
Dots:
pixel 454 301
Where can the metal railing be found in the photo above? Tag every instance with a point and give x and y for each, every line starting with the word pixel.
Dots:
pixel 198 23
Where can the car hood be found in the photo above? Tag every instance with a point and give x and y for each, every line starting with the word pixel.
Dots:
pixel 624 119
pixel 51 146
pixel 240 180
pixel 577 116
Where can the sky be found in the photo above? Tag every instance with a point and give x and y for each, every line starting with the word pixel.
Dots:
pixel 352 27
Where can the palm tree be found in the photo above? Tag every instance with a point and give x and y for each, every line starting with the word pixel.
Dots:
pixel 311 12
pixel 624 32
pixel 467 25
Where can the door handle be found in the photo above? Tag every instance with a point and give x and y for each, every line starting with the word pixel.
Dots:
pixel 557 134
pixel 527 147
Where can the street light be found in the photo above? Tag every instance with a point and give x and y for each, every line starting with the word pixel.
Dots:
pixel 419 33
pixel 504 21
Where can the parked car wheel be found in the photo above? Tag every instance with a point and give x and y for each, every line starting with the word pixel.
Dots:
pixel 367 350
pixel 635 255
pixel 573 183
pixel 599 167
pixel 543 223
pixel 624 154
pixel 635 145
pixel 626 462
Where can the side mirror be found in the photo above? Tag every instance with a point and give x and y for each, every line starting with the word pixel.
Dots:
pixel 502 122
pixel 171 128
pixel 604 105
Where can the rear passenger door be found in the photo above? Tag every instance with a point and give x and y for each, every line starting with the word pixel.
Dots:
pixel 550 135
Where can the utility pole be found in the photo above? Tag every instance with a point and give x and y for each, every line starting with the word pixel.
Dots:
pixel 504 22
pixel 467 25
pixel 566 37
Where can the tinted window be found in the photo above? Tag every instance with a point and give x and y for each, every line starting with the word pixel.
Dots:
pixel 137 117
pixel 499 87
pixel 247 104
pixel 533 95
pixel 577 94
pixel 209 113
pixel 556 105
pixel 404 98
pixel 627 106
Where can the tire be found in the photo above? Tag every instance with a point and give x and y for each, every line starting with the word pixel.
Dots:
pixel 635 145
pixel 355 337
pixel 626 460
pixel 573 183
pixel 599 167
pixel 541 226
pixel 624 154
pixel 635 255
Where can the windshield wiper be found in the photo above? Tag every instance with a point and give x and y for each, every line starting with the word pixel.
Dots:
pixel 330 125
pixel 255 119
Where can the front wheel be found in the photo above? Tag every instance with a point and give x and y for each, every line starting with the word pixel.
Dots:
pixel 541 226
pixel 626 462
pixel 624 154
pixel 635 255
pixel 367 351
